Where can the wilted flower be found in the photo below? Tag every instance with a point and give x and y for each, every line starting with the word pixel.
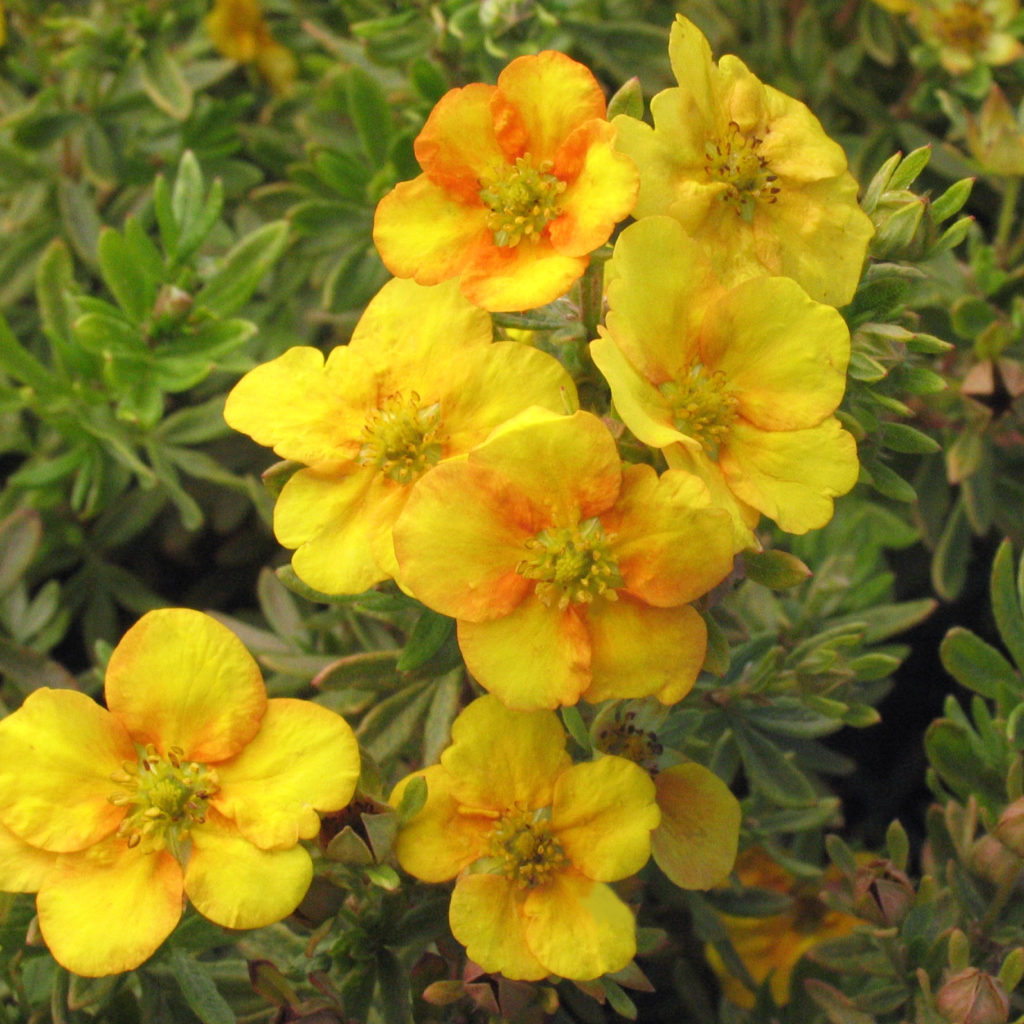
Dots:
pixel 189 783
pixel 971 996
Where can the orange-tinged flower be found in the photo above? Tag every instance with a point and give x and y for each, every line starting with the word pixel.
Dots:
pixel 520 184
pixel 419 383
pixel 737 384
pixel 533 841
pixel 770 947
pixel 238 30
pixel 191 782
pixel 750 173
pixel 570 576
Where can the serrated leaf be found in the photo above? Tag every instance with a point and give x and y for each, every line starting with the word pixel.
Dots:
pixel 199 990
pixel 242 270
pixel 1007 599
pixel 976 664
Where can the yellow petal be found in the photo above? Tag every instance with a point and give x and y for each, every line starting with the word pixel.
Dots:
pixel 108 909
pixel 518 277
pixel 486 917
pixel 602 815
pixel 783 355
pixel 534 657
pixel 579 929
pixel 178 678
pixel 690 55
pixel 501 758
pixel 640 651
pixel 445 836
pixel 791 476
pixel 695 844
pixel 22 867
pixel 304 759
pixel 57 753
pixel 238 885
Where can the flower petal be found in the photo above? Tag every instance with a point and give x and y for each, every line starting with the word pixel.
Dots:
pixel 695 844
pixel 579 929
pixel 640 651
pixel 534 657
pixel 486 917
pixel 524 276
pixel 501 758
pixel 178 678
pixel 602 815
pixel 238 885
pixel 304 759
pixel 22 867
pixel 57 754
pixel 107 909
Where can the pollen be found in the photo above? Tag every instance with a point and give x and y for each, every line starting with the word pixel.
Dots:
pixel 165 797
pixel 525 850
pixel 623 738
pixel 735 160
pixel 702 406
pixel 401 439
pixel 522 203
pixel 572 565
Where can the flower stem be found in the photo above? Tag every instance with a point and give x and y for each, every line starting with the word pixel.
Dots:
pixel 592 297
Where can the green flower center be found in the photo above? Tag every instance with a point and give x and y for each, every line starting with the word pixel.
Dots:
pixel 164 797
pixel 401 440
pixel 734 160
pixel 964 27
pixel 525 850
pixel 522 203
pixel 622 738
pixel 572 564
pixel 702 406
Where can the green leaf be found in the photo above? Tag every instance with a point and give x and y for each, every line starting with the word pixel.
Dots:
pixel 125 275
pixel 952 554
pixel 952 200
pixel 199 990
pixel 769 771
pixel 414 799
pixel 1007 600
pixel 110 335
pixel 20 534
pixel 956 759
pixel 976 664
pixel 242 270
pixel 54 281
pixel 395 720
pixel 165 84
pixel 888 482
pixel 187 195
pixel 910 167
pixel 20 364
pixel 427 636
pixel 628 100
pixel 370 113
pixel 778 570
pixel 618 1000
pixel 900 438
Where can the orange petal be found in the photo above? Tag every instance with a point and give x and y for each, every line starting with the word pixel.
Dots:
pixel 534 657
pixel 178 678
pixel 579 929
pixel 553 94
pixel 57 753
pixel 486 917
pixel 501 758
pixel 640 651
pixel 238 885
pixel 602 815
pixel 304 759
pixel 695 844
pixel 107 910
pixel 22 867
pixel 523 276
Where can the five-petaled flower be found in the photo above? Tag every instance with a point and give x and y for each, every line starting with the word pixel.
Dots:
pixel 750 173
pixel 569 575
pixel 238 29
pixel 738 385
pixel 419 383
pixel 520 184
pixel 533 841
pixel 190 782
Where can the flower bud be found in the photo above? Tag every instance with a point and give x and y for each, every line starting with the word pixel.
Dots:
pixel 973 997
pixel 1010 828
pixel 993 861
pixel 996 139
pixel 882 894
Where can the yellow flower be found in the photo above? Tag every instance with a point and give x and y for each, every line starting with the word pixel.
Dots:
pixel 737 384
pixel 770 947
pixel 967 33
pixel 520 184
pixel 750 173
pixel 533 841
pixel 569 575
pixel 238 30
pixel 419 383
pixel 192 783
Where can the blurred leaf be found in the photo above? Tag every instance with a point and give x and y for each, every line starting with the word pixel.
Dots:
pixel 775 569
pixel 164 83
pixel 199 990
pixel 20 534
pixel 953 554
pixel 1007 600
pixel 975 664
pixel 243 268
pixel 429 633
pixel 369 110
pixel 769 771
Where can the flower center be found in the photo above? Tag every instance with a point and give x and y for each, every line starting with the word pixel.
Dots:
pixel 571 564
pixel 401 439
pixel 701 406
pixel 734 160
pixel 522 203
pixel 964 27
pixel 623 738
pixel 164 796
pixel 525 850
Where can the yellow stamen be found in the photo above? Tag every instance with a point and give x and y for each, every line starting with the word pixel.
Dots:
pixel 401 439
pixel 525 851
pixel 522 203
pixel 735 160
pixel 702 407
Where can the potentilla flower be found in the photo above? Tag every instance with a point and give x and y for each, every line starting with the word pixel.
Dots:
pixel 750 173
pixel 520 184
pixel 771 947
pixel 419 383
pixel 738 385
pixel 190 782
pixel 237 29
pixel 533 841
pixel 569 575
